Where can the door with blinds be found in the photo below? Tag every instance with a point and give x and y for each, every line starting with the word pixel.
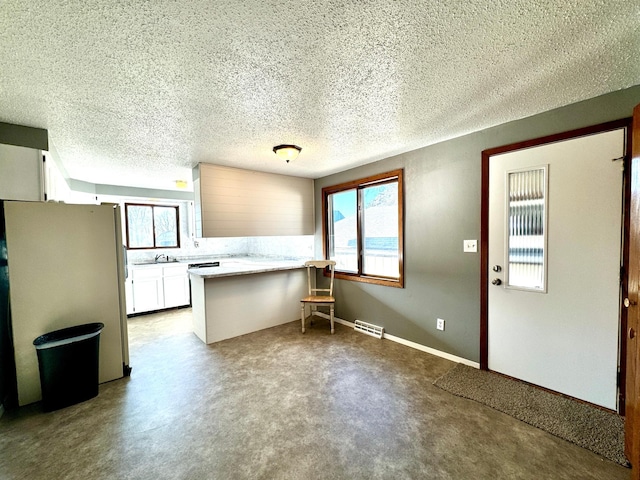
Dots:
pixel 555 227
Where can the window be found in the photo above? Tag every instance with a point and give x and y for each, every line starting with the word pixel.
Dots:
pixel 527 236
pixel 363 229
pixel 152 226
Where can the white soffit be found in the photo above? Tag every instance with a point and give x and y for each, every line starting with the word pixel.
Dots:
pixel 137 93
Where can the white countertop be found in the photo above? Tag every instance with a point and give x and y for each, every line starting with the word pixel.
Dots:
pixel 245 266
pixel 154 264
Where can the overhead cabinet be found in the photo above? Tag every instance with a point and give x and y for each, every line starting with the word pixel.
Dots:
pixel 231 202
pixel 22 173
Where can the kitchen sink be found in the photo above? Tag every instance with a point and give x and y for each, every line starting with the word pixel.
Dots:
pixel 156 262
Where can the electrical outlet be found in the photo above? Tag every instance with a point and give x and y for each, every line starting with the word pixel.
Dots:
pixel 440 324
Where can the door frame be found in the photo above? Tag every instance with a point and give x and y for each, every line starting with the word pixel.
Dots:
pixel 632 427
pixel 484 237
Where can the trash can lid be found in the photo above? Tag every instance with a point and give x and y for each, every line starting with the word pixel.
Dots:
pixel 68 335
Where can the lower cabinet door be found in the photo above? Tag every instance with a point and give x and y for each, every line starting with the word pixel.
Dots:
pixel 176 291
pixel 147 294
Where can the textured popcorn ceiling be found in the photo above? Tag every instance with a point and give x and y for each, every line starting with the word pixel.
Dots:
pixel 138 92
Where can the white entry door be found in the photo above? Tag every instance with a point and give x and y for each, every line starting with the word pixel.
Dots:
pixel 555 216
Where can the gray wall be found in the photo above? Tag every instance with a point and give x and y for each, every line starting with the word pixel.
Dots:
pixel 22 136
pixel 442 208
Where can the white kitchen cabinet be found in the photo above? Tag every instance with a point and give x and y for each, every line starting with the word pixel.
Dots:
pixel 22 173
pixel 55 186
pixel 154 287
pixel 147 289
pixel 175 282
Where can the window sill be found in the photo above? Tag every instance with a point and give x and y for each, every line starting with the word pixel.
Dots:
pixel 386 282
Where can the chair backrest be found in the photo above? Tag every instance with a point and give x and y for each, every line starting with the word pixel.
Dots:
pixel 320 264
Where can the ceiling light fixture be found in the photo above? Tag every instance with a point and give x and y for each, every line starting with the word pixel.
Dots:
pixel 287 152
pixel 181 183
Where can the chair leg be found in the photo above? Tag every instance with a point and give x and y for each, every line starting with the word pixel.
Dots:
pixel 302 316
pixel 331 315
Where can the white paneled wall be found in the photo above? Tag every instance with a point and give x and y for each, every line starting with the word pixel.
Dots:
pixel 238 203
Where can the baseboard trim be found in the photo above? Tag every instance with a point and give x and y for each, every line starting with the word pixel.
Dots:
pixel 409 343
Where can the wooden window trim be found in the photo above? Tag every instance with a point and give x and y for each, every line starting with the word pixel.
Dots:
pixel 387 177
pixel 152 205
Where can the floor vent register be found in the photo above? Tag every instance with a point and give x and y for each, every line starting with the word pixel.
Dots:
pixel 368 328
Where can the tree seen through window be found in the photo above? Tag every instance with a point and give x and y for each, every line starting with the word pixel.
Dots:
pixel 152 226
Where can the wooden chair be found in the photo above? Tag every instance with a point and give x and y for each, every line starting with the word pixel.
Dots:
pixel 313 298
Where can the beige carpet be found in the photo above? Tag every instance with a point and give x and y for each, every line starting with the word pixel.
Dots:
pixel 587 426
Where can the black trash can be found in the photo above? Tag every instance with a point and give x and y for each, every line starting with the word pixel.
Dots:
pixel 68 361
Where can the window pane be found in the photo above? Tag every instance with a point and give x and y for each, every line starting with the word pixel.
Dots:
pixel 166 228
pixel 152 226
pixel 527 236
pixel 342 230
pixel 362 222
pixel 139 226
pixel 380 230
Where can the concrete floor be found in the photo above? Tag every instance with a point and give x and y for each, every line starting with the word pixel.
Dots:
pixel 277 404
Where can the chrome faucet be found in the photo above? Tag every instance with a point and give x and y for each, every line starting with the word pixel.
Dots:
pixel 159 256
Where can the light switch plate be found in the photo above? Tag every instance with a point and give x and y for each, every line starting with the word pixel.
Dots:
pixel 470 246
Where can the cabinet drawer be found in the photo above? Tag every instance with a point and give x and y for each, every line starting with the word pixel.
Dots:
pixel 146 272
pixel 175 270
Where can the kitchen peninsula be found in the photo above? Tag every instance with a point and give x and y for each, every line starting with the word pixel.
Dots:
pixel 244 295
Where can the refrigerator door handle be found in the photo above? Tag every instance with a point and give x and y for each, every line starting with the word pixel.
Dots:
pixel 126 262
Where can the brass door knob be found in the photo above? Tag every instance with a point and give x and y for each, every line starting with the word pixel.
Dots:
pixel 496 281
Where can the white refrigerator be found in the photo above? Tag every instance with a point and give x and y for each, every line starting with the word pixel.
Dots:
pixel 66 267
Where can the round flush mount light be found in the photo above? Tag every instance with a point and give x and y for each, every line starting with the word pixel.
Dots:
pixel 287 152
pixel 181 183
